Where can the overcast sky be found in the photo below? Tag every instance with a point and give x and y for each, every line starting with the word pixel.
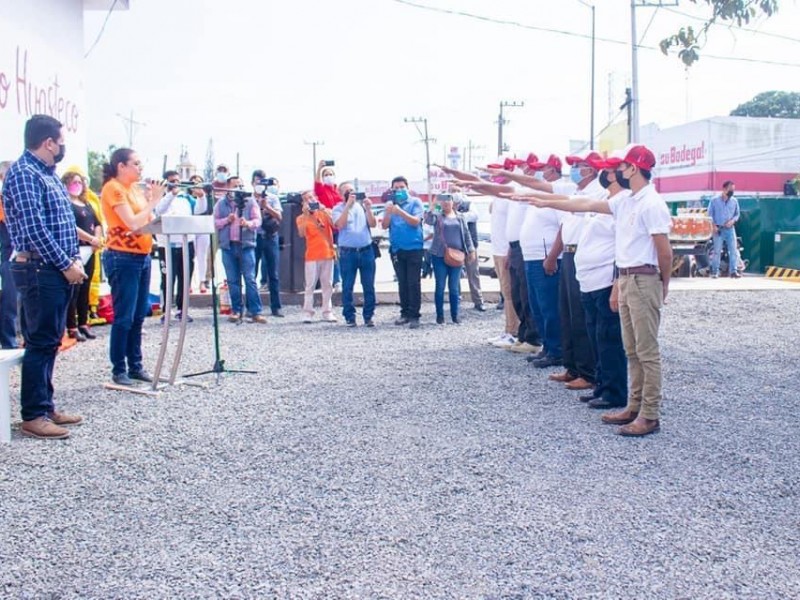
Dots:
pixel 262 78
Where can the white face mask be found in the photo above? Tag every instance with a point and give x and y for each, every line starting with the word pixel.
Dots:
pixel 259 189
pixel 329 180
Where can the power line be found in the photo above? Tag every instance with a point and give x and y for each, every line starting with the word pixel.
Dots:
pixel 728 26
pixel 579 35
pixel 102 29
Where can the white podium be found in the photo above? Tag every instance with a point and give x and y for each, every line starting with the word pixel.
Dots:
pixel 183 227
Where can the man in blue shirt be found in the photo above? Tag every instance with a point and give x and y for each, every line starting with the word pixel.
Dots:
pixel 353 218
pixel 403 219
pixel 724 213
pixel 45 266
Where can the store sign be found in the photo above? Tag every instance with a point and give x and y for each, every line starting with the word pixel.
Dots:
pixel 683 155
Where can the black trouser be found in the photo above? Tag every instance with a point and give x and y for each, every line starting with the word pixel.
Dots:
pixel 177 273
pixel 78 309
pixel 408 268
pixel 527 331
pixel 577 352
pixel 605 334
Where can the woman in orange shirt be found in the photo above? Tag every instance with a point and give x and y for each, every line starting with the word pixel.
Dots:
pixel 126 260
pixel 316 226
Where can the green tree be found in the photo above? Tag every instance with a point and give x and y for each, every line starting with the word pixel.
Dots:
pixel 732 12
pixel 96 162
pixel 779 105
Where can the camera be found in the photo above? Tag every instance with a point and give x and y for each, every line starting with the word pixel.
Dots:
pixel 463 206
pixel 268 181
pixel 361 196
pixel 329 163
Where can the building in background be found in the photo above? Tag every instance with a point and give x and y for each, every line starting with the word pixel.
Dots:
pixel 42 69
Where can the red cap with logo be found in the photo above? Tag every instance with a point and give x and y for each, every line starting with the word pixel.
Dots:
pixel 577 158
pixel 638 156
pixel 510 164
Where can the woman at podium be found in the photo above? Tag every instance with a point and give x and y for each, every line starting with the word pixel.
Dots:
pixel 127 207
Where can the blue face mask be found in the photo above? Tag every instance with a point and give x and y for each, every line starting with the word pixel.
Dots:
pixel 272 189
pixel 575 175
pixel 539 176
pixel 400 196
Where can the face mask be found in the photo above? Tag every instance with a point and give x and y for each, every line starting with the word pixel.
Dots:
pixel 62 149
pixel 623 183
pixel 604 179
pixel 575 175
pixel 75 189
pixel 539 176
pixel 259 189
pixel 272 189
pixel 222 177
pixel 400 196
pixel 329 180
pixel 729 193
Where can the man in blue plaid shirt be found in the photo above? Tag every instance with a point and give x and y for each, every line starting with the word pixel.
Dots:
pixel 45 266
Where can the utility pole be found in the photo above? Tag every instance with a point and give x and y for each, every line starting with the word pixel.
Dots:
pixel 501 121
pixel 427 140
pixel 314 145
pixel 628 104
pixel 634 127
pixel 130 123
pixel 208 172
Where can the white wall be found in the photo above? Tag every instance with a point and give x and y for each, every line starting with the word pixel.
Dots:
pixel 41 71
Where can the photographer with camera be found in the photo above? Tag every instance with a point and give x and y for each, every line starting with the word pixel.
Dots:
pixel 315 225
pixel 403 218
pixel 353 218
pixel 174 203
pixel 237 218
pixel 265 191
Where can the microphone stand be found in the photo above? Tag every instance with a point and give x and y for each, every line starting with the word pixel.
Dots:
pixel 219 364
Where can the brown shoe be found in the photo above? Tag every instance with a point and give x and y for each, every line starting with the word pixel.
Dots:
pixel 234 317
pixel 619 418
pixel 258 319
pixel 640 427
pixel 579 384
pixel 44 429
pixel 60 418
pixel 564 377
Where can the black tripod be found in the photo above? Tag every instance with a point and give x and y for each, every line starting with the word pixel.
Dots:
pixel 219 364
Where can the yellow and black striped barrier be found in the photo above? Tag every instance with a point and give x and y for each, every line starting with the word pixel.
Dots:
pixel 783 273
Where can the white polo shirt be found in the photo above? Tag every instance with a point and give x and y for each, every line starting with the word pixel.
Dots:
pixel 594 258
pixel 573 223
pixel 498 226
pixel 516 213
pixel 539 230
pixel 638 217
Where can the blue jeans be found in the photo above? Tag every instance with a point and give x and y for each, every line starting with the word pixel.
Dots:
pixel 729 237
pixel 241 262
pixel 8 304
pixel 352 261
pixel 543 299
pixel 129 277
pixel 444 274
pixel 268 254
pixel 44 294
pixel 605 335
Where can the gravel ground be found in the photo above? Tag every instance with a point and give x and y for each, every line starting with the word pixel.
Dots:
pixel 390 463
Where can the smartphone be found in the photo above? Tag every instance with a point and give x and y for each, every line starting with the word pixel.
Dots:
pixel 312 206
pixel 329 163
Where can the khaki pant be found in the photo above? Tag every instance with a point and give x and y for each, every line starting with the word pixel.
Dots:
pixel 640 300
pixel 322 271
pixel 512 320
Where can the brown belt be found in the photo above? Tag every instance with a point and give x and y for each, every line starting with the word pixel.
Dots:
pixel 571 248
pixel 641 270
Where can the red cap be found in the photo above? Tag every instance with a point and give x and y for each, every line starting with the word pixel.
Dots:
pixel 532 160
pixel 552 161
pixel 510 164
pixel 577 158
pixel 640 156
pixel 494 166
